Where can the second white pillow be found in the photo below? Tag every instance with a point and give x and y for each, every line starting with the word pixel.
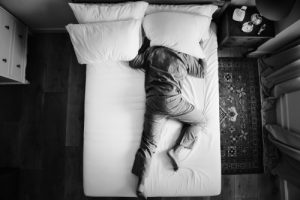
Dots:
pixel 96 42
pixel 87 13
pixel 179 31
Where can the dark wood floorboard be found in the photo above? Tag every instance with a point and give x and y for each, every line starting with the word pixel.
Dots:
pixel 9 133
pixel 268 187
pixel 11 103
pixel 73 174
pixel 246 187
pixel 75 107
pixel 30 146
pixel 59 51
pixel 9 186
pixel 53 129
pixel 31 184
pixel 44 117
pixel 228 188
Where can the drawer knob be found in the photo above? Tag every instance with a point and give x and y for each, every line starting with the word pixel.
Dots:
pixel 18 66
pixel 7 27
pixel 4 60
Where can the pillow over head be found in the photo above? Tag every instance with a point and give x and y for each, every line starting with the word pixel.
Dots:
pixel 96 42
pixel 179 31
pixel 87 13
pixel 206 10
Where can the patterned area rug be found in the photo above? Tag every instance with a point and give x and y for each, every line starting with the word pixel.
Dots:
pixel 240 119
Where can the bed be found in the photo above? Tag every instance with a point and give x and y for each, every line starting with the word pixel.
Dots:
pixel 114 110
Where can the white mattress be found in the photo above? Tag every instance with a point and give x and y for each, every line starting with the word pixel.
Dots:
pixel 114 109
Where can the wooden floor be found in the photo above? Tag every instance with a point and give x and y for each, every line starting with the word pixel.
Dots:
pixel 41 128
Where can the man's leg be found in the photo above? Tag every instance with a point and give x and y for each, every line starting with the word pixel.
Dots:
pixel 153 125
pixel 194 121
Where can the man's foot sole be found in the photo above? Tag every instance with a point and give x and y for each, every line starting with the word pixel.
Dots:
pixel 141 195
pixel 140 191
pixel 173 160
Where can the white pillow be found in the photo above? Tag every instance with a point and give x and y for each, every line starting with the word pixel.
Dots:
pixel 87 13
pixel 179 31
pixel 206 10
pixel 96 42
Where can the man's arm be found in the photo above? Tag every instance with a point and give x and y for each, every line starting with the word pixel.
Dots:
pixel 198 69
pixel 139 61
pixel 195 67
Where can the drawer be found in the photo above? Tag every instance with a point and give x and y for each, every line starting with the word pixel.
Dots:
pixel 6 36
pixel 17 68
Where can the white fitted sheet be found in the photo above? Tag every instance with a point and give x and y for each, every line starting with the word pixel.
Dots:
pixel 114 109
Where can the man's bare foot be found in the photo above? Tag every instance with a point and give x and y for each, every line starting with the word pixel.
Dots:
pixel 174 156
pixel 171 154
pixel 140 191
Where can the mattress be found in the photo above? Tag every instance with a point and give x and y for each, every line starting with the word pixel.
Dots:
pixel 114 110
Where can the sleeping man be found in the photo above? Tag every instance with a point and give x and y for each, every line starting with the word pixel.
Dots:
pixel 165 69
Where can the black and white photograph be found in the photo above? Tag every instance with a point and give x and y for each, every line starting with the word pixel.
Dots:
pixel 149 100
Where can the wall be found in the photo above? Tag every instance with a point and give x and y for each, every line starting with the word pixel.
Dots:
pixel 41 15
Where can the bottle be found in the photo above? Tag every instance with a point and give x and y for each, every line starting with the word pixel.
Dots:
pixel 262 28
pixel 239 14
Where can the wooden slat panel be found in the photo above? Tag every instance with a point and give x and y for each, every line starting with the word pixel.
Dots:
pixel 9 180
pixel 31 147
pixel 268 187
pixel 9 133
pixel 246 187
pixel 75 108
pixel 73 174
pixel 36 62
pixel 31 139
pixel 10 102
pixel 228 188
pixel 31 185
pixel 57 65
pixel 53 130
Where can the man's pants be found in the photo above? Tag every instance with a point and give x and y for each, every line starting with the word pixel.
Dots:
pixel 154 121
